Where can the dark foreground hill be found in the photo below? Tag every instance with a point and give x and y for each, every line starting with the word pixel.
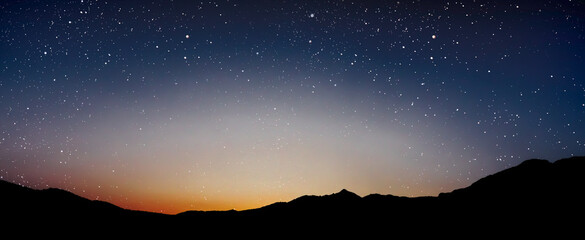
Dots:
pixel 535 196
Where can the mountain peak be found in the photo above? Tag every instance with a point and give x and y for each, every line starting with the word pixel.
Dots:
pixel 345 194
pixel 344 191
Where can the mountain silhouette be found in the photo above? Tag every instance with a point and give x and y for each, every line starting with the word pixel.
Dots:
pixel 536 193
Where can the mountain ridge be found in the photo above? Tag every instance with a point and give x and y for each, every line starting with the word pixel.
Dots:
pixel 534 191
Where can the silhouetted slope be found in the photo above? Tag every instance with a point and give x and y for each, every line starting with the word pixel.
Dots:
pixel 535 196
pixel 49 204
pixel 533 180
pixel 523 181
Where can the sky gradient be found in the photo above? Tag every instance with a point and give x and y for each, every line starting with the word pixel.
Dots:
pixel 170 106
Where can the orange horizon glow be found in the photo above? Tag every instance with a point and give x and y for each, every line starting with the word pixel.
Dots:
pixel 151 200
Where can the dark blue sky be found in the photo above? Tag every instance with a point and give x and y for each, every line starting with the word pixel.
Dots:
pixel 260 101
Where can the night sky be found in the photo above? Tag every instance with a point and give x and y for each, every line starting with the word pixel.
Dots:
pixel 186 105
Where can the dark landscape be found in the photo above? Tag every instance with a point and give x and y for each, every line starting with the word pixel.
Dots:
pixel 533 194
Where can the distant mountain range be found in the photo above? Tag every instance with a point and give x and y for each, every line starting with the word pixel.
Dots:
pixel 535 196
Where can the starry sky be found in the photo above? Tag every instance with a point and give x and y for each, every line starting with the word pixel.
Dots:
pixel 170 106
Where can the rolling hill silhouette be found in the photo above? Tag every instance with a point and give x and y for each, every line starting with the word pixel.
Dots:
pixel 535 193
